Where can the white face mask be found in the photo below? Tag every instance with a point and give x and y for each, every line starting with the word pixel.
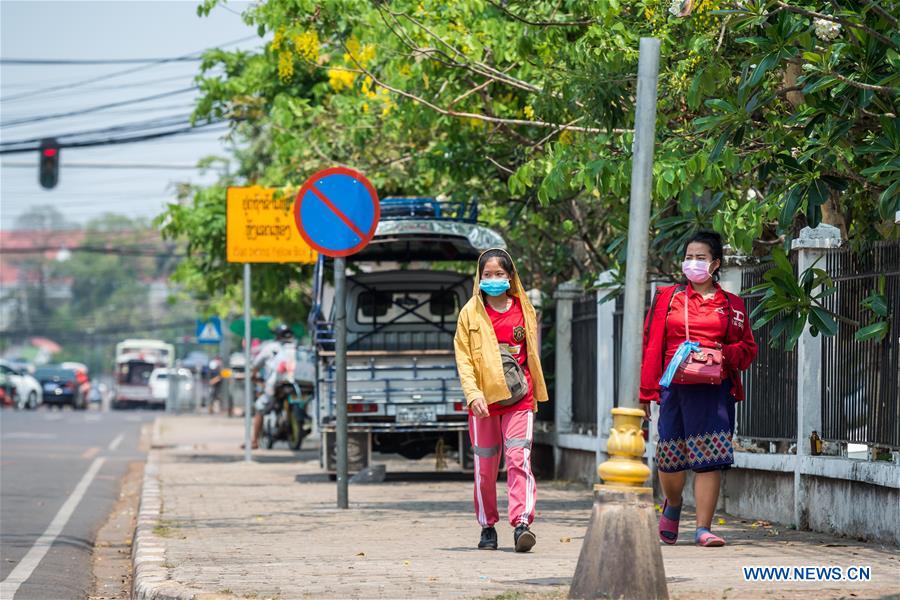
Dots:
pixel 696 270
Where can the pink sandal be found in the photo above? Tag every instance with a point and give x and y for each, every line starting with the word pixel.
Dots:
pixel 667 525
pixel 709 540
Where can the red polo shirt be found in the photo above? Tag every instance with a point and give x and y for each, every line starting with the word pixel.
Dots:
pixel 510 329
pixel 708 320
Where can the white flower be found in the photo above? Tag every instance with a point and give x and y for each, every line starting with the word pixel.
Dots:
pixel 826 31
pixel 795 152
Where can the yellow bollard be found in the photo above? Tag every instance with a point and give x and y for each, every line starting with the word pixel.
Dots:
pixel 625 446
pixel 620 556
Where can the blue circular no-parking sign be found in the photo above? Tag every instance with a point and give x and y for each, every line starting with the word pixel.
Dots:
pixel 337 211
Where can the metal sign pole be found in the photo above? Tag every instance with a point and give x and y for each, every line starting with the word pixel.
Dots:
pixel 340 363
pixel 247 382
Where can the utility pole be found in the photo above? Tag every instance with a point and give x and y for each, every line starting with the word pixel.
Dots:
pixel 623 508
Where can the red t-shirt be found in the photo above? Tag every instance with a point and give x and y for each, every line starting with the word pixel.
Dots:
pixel 707 317
pixel 509 327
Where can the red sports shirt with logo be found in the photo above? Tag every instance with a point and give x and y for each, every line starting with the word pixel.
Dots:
pixel 509 327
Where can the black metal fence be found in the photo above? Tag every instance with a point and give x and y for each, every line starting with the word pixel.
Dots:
pixel 584 362
pixel 769 412
pixel 861 380
pixel 547 410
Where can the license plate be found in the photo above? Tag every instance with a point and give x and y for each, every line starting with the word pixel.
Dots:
pixel 50 387
pixel 416 414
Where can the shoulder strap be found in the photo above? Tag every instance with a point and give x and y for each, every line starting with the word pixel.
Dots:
pixel 678 288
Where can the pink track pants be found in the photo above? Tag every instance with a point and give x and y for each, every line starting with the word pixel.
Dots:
pixel 513 433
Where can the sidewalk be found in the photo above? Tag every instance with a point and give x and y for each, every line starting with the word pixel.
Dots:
pixel 270 529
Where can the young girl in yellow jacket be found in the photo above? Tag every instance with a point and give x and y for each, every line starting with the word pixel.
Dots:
pixel 497 326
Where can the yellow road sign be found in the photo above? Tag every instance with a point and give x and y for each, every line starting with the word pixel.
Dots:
pixel 261 228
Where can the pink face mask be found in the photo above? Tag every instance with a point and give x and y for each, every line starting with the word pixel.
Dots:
pixel 696 270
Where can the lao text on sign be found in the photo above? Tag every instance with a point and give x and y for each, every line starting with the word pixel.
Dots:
pixel 260 228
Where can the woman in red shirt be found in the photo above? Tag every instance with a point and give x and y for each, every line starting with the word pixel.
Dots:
pixel 696 421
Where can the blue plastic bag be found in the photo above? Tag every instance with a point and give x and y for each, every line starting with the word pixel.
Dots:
pixel 680 355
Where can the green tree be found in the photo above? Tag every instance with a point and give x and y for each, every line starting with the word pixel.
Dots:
pixel 772 115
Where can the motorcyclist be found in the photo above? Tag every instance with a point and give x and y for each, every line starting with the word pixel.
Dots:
pixel 266 364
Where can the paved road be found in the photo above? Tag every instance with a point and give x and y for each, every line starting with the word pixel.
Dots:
pixel 60 473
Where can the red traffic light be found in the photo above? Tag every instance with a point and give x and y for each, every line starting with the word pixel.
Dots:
pixel 48 169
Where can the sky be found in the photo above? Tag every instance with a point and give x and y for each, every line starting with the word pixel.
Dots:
pixel 121 29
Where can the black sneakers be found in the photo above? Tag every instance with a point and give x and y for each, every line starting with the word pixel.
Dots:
pixel 524 538
pixel 488 539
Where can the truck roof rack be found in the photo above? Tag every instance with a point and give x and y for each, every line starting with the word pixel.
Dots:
pixel 396 208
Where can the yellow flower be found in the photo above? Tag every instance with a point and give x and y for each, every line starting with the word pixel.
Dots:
pixel 340 80
pixel 307 45
pixel 285 65
pixel 365 107
pixel 367 90
pixel 529 112
pixel 277 40
pixel 359 53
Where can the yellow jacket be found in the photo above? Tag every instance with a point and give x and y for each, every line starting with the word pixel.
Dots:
pixel 478 352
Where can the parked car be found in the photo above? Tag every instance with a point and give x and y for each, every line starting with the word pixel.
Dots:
pixel 159 384
pixel 28 392
pixel 61 386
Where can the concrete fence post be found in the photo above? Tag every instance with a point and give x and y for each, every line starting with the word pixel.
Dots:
pixel 606 353
pixel 810 246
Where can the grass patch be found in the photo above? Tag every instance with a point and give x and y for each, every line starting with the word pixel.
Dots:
pixel 165 529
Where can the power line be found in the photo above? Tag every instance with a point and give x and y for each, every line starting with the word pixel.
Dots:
pixel 97 61
pixel 100 88
pixel 182 106
pixel 124 140
pixel 130 127
pixel 115 74
pixel 101 165
pixel 84 111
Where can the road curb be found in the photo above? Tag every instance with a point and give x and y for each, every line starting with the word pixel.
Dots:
pixel 148 551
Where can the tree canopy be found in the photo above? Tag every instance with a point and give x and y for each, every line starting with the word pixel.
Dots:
pixel 772 116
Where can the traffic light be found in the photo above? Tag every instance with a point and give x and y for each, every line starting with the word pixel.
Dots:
pixel 49 167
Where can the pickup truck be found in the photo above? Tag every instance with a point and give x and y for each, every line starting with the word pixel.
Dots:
pixel 404 294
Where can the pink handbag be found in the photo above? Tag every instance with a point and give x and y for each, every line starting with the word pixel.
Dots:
pixel 703 366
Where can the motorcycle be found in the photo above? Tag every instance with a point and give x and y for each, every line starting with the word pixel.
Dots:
pixel 287 419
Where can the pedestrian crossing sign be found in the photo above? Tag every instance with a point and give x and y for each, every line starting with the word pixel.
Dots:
pixel 209 331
